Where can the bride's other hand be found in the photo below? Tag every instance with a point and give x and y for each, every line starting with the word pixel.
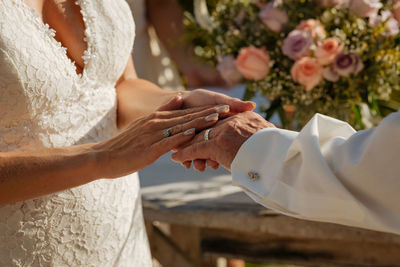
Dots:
pixel 201 97
pixel 148 138
pixel 138 98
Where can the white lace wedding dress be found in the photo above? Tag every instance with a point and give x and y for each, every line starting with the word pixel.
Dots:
pixel 45 103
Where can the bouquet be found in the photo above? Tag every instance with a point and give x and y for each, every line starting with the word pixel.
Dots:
pixel 336 57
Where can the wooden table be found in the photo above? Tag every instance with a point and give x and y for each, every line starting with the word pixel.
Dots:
pixel 195 218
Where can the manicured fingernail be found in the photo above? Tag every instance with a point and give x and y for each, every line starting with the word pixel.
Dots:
pixel 223 109
pixel 212 117
pixel 252 103
pixel 189 132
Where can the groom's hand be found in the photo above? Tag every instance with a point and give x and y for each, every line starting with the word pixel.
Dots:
pixel 224 140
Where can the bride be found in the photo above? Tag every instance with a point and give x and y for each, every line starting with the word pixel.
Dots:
pixel 67 83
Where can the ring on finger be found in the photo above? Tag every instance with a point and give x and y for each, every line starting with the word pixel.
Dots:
pixel 167 133
pixel 207 134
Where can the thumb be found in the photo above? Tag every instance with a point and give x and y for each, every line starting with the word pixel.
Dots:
pixel 174 104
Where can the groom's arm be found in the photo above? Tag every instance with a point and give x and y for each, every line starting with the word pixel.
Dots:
pixel 327 172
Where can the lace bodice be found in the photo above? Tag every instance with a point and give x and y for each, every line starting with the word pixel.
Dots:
pixel 45 103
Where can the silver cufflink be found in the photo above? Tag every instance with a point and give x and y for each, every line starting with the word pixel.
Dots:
pixel 253 176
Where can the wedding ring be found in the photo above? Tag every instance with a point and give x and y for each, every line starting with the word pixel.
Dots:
pixel 207 134
pixel 167 133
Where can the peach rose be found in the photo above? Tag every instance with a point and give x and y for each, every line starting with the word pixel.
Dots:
pixel 327 51
pixel 314 26
pixel 253 63
pixel 290 110
pixel 307 72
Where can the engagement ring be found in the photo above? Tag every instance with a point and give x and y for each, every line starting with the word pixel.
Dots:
pixel 207 134
pixel 167 133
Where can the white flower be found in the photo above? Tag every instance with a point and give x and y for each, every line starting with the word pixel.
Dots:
pixel 391 24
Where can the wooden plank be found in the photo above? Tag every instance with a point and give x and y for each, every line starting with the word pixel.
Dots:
pixel 245 220
pixel 316 252
pixel 165 251
pixel 188 239
pixel 234 226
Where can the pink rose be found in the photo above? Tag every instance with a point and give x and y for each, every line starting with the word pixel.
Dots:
pixel 228 70
pixel 314 26
pixel 253 63
pixel 334 3
pixel 391 24
pixel 297 44
pixel 365 8
pixel 307 72
pixel 328 50
pixel 273 17
pixel 396 11
pixel 346 64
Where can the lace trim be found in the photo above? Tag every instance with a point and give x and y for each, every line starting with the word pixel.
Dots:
pixel 90 35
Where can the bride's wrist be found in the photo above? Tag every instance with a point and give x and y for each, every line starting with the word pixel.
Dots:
pixel 96 160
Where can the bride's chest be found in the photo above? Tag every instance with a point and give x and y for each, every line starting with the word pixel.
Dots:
pixel 105 31
pixel 66 18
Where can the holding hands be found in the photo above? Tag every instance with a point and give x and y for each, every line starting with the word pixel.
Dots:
pixel 222 124
pixel 220 144
pixel 148 138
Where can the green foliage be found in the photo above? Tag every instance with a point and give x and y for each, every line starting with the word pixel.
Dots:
pixel 377 85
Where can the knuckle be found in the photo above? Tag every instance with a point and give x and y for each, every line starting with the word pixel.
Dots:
pixel 176 129
pixel 158 114
pixel 152 123
pixel 188 117
pixel 152 116
pixel 230 125
pixel 222 140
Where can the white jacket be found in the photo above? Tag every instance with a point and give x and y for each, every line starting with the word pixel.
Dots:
pixel 327 172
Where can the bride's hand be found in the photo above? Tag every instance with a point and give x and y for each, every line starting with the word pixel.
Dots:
pixel 148 138
pixel 201 97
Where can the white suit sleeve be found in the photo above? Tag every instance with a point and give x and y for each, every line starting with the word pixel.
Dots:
pixel 327 172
